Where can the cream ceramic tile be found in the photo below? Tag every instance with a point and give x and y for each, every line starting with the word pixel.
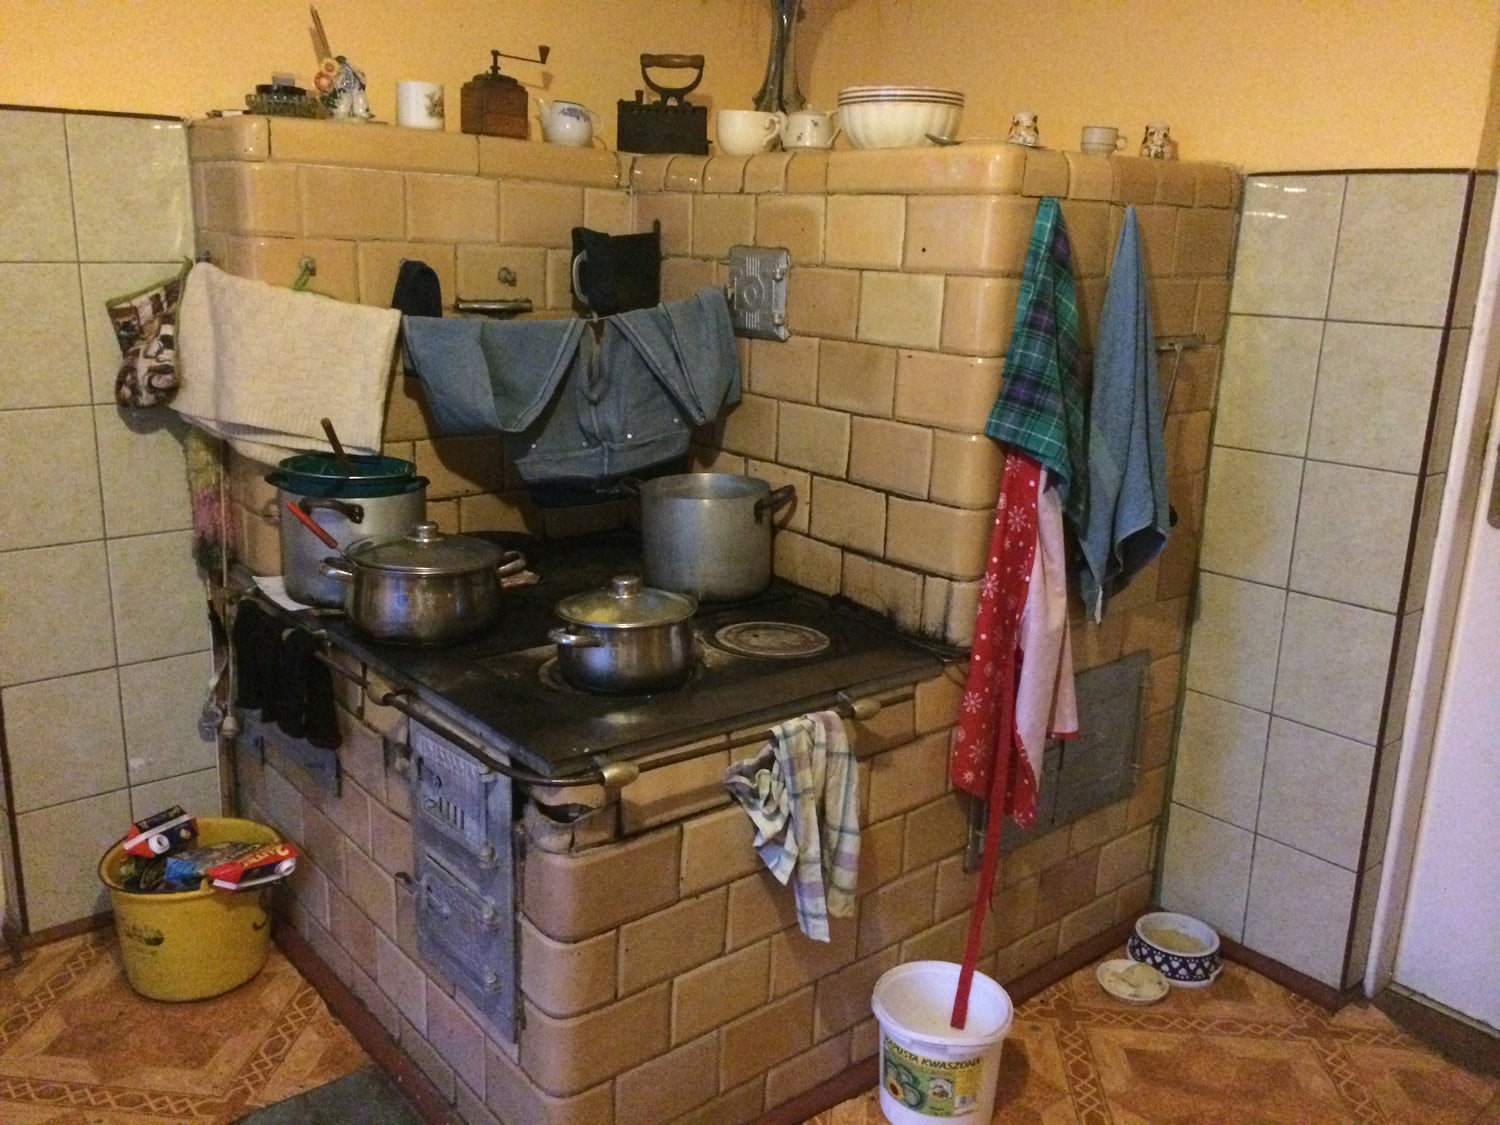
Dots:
pixel 57 616
pixel 1374 392
pixel 1398 244
pixel 451 208
pixel 101 282
pixel 1445 412
pixel 785 369
pixel 1401 675
pixel 1334 660
pixel 54 475
pixel 41 330
pixel 1250 515
pixel 998 168
pixel 1266 388
pixel 480 269
pixel 229 138
pixel 278 261
pixel 847 515
pixel 1381 803
pixel 948 391
pixel 197 791
pixel 979 314
pixel 64 739
pixel 794 514
pixel 936 539
pixel 866 230
pixel 1206 869
pixel 749 427
pixel 1476 233
pixel 36 203
pixel 507 158
pixel 131 194
pixel 675 213
pixel 725 174
pixel 891 456
pixel 379 263
pixel 1352 530
pixel 609 210
pixel 823 302
pixel 162 701
pixel 143 471
pixel 794 222
pixel 242 198
pixel 902 309
pixel 809 437
pixel 856 377
pixel 351 202
pixel 966 469
pixel 158 598
pixel 1315 791
pixel 722 221
pixel 1235 640
pixel 1288 230
pixel 968 234
pixel 894 593
pixel 1424 541
pixel 1221 751
pixel 1299 910
pixel 60 848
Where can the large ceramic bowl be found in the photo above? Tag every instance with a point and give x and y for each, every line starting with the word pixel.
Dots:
pixel 896 123
pixel 1181 948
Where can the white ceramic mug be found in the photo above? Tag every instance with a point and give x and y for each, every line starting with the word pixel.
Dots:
pixel 1100 140
pixel 419 105
pixel 808 128
pixel 1023 129
pixel 1158 144
pixel 744 132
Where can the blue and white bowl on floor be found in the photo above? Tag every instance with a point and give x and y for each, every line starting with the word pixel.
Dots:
pixel 1181 948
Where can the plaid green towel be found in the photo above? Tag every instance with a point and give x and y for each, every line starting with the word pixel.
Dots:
pixel 1040 407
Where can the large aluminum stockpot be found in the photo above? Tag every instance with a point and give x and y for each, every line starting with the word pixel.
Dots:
pixel 708 535
pixel 424 588
pixel 379 498
pixel 626 638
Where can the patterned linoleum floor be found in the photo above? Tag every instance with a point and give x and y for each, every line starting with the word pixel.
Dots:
pixel 1241 1051
pixel 78 1047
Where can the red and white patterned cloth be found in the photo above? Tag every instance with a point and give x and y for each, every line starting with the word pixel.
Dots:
pixel 1020 682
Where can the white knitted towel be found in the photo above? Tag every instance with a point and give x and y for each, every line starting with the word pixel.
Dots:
pixel 261 365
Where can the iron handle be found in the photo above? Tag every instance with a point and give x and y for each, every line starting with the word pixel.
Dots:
pixel 575 640
pixel 513 306
pixel 776 499
pixel 354 513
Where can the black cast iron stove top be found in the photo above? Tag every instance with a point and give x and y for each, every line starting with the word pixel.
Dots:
pixel 500 688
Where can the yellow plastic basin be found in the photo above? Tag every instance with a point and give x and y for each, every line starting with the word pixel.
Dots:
pixel 190 945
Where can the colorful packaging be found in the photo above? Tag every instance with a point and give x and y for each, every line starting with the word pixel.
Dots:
pixel 161 833
pixel 232 866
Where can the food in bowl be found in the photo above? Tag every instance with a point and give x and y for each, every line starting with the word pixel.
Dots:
pixel 1182 948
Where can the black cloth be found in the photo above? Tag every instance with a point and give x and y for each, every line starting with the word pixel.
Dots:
pixel 418 293
pixel 619 272
pixel 280 675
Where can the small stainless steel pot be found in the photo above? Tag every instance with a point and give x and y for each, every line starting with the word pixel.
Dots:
pixel 708 534
pixel 627 638
pixel 426 588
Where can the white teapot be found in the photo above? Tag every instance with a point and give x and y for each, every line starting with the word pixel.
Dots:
pixel 566 123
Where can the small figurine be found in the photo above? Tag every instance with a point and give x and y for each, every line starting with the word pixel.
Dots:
pixel 343 89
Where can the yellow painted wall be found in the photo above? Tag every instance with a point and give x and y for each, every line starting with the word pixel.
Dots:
pixel 1266 84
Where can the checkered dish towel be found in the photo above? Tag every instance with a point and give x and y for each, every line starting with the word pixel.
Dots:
pixel 801 793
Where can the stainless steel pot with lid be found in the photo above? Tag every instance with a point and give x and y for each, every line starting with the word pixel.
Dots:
pixel 625 638
pixel 424 587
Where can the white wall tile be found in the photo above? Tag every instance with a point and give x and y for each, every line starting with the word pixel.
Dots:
pixel 1352 530
pixel 1401 673
pixel 130 189
pixel 1221 750
pixel 1374 393
pixel 1288 231
pixel 159 605
pixel 1382 803
pixel 162 701
pixel 1315 792
pixel 1424 541
pixel 52 475
pixel 57 613
pixel 196 792
pixel 1475 236
pixel 1445 411
pixel 1299 910
pixel 143 470
pixel 1250 515
pixel 36 209
pixel 60 849
pixel 1266 387
pixel 1235 639
pixel 1397 243
pixel 1334 661
pixel 103 282
pixel 64 739
pixel 1206 870
pixel 41 336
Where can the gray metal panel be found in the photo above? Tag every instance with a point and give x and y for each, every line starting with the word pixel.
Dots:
pixel 470 937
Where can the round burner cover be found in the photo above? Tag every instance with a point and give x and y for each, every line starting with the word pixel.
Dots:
pixel 773 639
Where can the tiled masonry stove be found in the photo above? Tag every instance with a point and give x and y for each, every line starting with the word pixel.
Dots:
pixel 661 974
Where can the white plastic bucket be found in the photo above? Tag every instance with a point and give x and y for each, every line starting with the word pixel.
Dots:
pixel 928 1069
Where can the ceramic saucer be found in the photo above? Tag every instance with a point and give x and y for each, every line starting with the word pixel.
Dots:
pixel 1131 981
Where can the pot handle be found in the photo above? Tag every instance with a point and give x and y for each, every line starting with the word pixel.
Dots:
pixel 354 513
pixel 312 525
pixel 337 569
pixel 512 562
pixel 575 640
pixel 774 500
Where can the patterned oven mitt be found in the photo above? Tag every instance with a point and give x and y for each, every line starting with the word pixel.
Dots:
pixel 145 325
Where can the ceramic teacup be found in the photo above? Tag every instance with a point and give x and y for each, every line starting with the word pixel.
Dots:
pixel 419 105
pixel 744 132
pixel 808 128
pixel 1023 130
pixel 1100 140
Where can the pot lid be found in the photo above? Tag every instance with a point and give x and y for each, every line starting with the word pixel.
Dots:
pixel 426 550
pixel 362 466
pixel 626 604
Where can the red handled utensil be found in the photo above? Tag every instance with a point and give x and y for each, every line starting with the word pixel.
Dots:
pixel 313 526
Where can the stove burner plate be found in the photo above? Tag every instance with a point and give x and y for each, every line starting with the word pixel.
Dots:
pixel 774 640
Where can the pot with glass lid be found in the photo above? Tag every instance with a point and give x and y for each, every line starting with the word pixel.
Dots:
pixel 627 638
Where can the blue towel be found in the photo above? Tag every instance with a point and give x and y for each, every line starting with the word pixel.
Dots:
pixel 1128 512
pixel 573 407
